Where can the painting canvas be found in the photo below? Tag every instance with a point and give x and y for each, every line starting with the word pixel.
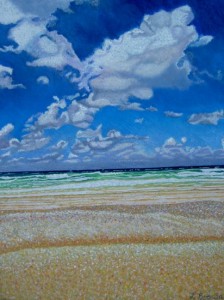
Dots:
pixel 111 149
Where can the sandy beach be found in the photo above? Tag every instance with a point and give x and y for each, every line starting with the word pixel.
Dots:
pixel 152 271
pixel 147 243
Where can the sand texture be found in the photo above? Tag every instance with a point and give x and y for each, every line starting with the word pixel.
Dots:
pixel 142 243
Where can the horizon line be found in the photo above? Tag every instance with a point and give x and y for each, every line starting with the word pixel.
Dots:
pixel 104 170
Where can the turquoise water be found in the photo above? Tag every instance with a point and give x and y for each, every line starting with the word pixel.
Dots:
pixel 110 179
pixel 65 189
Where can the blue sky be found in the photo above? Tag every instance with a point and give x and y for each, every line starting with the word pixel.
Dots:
pixel 111 84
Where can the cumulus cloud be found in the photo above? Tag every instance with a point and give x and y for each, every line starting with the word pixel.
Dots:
pixel 31 141
pixel 173 153
pixel 44 9
pixel 60 145
pixel 76 113
pixel 90 133
pixel 79 114
pixel 170 142
pixel 51 118
pixel 92 140
pixel 173 114
pixel 6 81
pixel 206 118
pixel 133 65
pixel 43 80
pixel 92 144
pixel 14 10
pixel 31 34
pixel 91 149
pixel 4 135
pixel 144 58
pixel 9 12
pixel 54 51
pixel 49 49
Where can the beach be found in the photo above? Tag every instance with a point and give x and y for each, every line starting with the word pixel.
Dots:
pixel 139 235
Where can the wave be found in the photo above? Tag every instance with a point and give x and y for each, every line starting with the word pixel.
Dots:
pixel 57 176
pixel 97 179
pixel 6 178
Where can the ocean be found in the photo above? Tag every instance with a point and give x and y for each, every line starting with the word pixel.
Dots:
pixel 40 181
pixel 54 189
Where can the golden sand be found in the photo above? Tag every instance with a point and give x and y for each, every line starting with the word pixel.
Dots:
pixel 156 245
pixel 115 272
pixel 140 195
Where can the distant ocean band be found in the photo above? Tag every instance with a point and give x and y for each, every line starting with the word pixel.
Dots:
pixel 11 182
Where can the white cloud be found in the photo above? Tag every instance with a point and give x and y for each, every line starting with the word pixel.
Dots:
pixel 202 41
pixel 173 114
pixel 14 10
pixel 49 49
pixel 139 121
pixel 206 118
pixel 9 13
pixel 89 133
pixel 79 114
pixel 31 141
pixel 60 113
pixel 25 34
pixel 201 74
pixel 6 130
pixel 174 154
pixel 55 51
pixel 183 140
pixel 6 81
pixel 42 162
pixel 152 109
pixel 60 145
pixel 51 118
pixel 170 142
pixel 43 80
pixel 142 59
pixel 55 156
pixel 93 143
pixel 4 135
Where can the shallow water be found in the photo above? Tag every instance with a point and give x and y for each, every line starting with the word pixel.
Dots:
pixel 74 180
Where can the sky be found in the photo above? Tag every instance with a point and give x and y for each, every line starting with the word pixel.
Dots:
pixel 95 84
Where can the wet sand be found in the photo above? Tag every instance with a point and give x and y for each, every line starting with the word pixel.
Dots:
pixel 156 245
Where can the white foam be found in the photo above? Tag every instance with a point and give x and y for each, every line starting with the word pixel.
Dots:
pixel 57 176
